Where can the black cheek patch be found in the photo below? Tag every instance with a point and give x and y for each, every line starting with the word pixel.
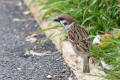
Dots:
pixel 65 23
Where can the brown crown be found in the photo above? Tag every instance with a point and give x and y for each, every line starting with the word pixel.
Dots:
pixel 67 17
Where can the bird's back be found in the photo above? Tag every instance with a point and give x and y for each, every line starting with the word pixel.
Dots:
pixel 79 38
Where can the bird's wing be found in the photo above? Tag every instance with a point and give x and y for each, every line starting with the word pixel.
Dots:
pixel 79 38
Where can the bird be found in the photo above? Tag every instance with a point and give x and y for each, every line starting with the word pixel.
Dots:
pixel 78 36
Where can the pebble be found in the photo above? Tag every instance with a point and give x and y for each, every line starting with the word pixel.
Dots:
pixel 18 68
pixel 49 76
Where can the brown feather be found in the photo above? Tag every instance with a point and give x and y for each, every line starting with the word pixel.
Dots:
pixel 79 38
pixel 67 17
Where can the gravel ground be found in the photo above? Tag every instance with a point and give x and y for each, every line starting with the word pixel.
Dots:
pixel 13 64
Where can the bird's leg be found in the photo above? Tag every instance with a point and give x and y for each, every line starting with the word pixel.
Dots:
pixel 86 68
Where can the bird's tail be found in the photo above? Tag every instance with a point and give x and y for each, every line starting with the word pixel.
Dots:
pixel 86 68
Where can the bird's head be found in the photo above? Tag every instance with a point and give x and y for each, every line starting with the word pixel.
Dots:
pixel 65 20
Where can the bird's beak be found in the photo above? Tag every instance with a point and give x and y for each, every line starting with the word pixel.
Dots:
pixel 57 19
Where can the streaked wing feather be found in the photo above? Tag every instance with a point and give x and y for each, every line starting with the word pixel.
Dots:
pixel 79 38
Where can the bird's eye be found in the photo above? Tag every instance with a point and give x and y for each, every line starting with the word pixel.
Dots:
pixel 61 18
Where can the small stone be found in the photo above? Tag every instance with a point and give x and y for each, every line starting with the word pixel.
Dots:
pixel 14 54
pixel 26 12
pixel 70 78
pixel 49 76
pixel 63 71
pixel 57 59
pixel 19 4
pixel 18 68
pixel 36 63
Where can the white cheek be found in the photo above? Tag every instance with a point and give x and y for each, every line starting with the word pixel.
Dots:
pixel 62 22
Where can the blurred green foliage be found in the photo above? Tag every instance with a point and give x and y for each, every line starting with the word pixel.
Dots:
pixel 97 15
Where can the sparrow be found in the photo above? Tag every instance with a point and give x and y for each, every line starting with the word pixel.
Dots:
pixel 78 36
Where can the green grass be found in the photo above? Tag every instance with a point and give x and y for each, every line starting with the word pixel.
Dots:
pixel 97 16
